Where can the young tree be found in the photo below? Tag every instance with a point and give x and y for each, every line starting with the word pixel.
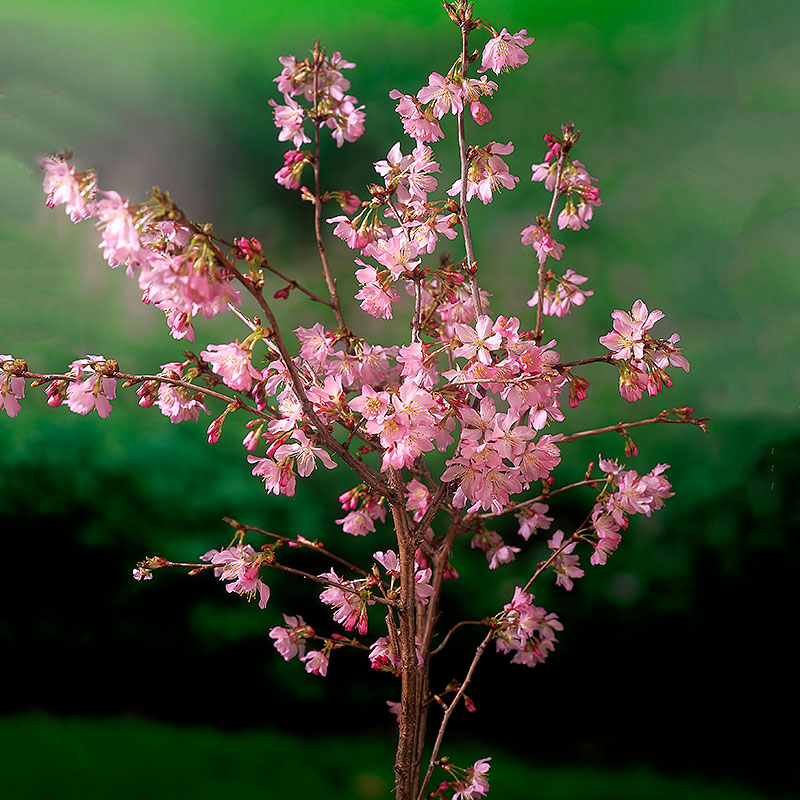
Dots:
pixel 486 390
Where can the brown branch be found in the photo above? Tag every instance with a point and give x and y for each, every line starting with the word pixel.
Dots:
pixel 300 540
pixel 453 630
pixel 407 723
pixel 366 473
pixel 700 422
pixel 326 582
pixel 329 280
pixel 565 364
pixel 543 496
pixel 542 270
pixel 472 265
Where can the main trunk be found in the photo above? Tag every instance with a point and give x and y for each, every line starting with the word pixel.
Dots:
pixel 405 763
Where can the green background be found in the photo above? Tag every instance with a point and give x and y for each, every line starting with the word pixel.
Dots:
pixel 675 655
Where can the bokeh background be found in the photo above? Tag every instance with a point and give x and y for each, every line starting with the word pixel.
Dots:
pixel 673 676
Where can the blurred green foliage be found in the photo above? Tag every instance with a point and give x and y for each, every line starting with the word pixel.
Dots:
pixel 86 757
pixel 688 112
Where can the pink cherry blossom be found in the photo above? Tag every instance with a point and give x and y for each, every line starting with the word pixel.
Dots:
pixel 532 518
pixel 239 564
pixel 291 640
pixel 232 363
pixel 290 118
pixel 357 523
pixel 290 174
pixel 120 243
pixel 94 391
pixel 443 94
pixel 176 402
pixel 316 663
pixel 305 454
pixel 487 173
pixel 566 565
pixel 542 242
pixel 504 51
pixel 478 342
pixel 12 387
pixel 477 784
pixel 64 187
pixel 567 293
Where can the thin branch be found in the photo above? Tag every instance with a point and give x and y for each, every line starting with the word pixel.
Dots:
pixel 366 473
pixel 565 364
pixel 300 540
pixel 542 270
pixel 700 422
pixel 448 712
pixel 329 280
pixel 543 496
pixel 472 265
pixel 326 582
pixel 453 630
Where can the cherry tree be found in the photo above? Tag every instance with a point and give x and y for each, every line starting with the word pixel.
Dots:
pixel 486 393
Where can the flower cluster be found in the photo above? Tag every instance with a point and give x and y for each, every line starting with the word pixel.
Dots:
pixel 526 630
pixel 642 360
pixel 318 80
pixel 240 565
pixel 177 269
pixel 627 493
pixel 468 784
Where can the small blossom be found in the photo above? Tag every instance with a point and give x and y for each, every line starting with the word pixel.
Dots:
pixel 12 387
pixel 504 51
pixel 232 363
pixel 316 663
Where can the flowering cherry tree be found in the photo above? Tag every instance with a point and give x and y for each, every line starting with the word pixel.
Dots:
pixel 490 392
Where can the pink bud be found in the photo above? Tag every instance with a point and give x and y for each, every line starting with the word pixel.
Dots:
pixel 480 113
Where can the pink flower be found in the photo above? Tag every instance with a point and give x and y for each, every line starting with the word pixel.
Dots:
pixel 478 342
pixel 176 402
pixel 120 243
pixel 487 173
pixel 316 663
pixel 477 784
pixel 291 173
pixel 443 94
pixel 278 478
pixel 383 657
pixel 504 51
pixel 349 599
pixel 12 387
pixel 291 641
pixel 376 295
pixel 304 453
pixel 76 192
pixel 240 565
pixel 289 118
pixel 232 363
pixel 627 340
pixel 542 243
pixel 480 113
pixel 357 523
pixel 396 253
pixel 566 566
pixel 417 498
pixel 417 123
pixel 94 391
pixel 373 405
pixel 567 294
pixel 533 518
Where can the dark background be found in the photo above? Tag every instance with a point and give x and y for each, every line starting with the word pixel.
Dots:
pixel 675 655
